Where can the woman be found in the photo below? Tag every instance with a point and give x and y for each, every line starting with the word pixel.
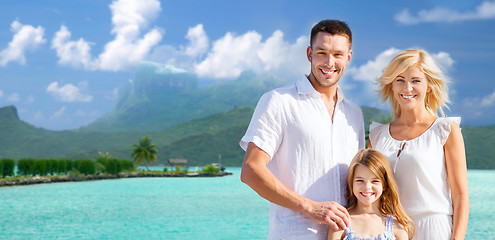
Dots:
pixel 426 152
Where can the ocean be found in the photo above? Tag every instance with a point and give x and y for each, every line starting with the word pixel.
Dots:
pixel 170 208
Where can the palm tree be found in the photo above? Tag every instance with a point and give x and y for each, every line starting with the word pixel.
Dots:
pixel 144 151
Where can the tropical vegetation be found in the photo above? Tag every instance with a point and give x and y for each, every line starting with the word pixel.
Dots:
pixel 211 169
pixel 44 167
pixel 145 152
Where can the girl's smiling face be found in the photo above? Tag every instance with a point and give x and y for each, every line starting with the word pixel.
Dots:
pixel 366 186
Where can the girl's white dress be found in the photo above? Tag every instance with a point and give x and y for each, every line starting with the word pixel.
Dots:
pixel 421 175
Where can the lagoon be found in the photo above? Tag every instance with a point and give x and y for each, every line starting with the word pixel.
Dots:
pixel 170 208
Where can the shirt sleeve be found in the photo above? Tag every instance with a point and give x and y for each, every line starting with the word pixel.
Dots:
pixel 265 129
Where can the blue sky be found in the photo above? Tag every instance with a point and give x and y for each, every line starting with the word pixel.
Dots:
pixel 62 62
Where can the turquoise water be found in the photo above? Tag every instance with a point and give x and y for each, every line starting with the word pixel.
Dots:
pixel 482 201
pixel 169 208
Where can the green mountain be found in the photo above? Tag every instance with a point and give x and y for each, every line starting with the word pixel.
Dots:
pixel 162 96
pixel 19 139
pixel 200 140
pixel 207 137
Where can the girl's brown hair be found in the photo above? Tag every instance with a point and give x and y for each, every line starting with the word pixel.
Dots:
pixel 389 201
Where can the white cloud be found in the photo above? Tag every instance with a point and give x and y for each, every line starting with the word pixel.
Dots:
pixel 69 92
pixel 129 18
pixel 373 68
pixel 184 57
pixel 1 93
pixel 284 58
pixel 26 37
pixel 170 55
pixel 233 54
pixel 488 101
pixel 58 113
pixel 485 10
pixel 230 55
pixel 198 40
pixel 14 97
pixel 479 107
pixel 73 53
pixel 443 59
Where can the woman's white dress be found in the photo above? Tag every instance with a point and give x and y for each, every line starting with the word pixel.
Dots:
pixel 421 175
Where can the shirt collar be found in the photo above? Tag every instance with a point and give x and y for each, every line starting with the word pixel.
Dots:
pixel 340 95
pixel 304 87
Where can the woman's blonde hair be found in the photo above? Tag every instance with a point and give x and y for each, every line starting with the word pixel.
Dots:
pixel 389 201
pixel 435 99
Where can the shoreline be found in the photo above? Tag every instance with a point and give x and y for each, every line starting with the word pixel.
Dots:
pixel 79 178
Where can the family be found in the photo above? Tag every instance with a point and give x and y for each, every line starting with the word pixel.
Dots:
pixel 305 152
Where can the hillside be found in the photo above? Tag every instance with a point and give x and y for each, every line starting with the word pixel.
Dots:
pixel 479 142
pixel 21 140
pixel 162 96
pixel 200 140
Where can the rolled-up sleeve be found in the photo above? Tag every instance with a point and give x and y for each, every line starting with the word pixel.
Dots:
pixel 265 129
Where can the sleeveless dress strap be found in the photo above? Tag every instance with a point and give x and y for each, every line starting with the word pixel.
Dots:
pixel 349 234
pixel 389 225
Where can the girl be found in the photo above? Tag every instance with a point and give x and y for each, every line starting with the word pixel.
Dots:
pixel 373 201
pixel 425 151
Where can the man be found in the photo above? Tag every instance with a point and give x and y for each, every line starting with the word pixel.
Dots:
pixel 301 140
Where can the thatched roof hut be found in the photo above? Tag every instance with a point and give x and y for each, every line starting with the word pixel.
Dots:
pixel 177 161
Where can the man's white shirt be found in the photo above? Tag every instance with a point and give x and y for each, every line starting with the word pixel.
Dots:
pixel 309 153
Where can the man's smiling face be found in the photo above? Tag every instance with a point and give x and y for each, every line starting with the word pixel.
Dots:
pixel 329 56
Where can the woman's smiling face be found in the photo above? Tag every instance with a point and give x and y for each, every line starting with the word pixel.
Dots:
pixel 410 88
